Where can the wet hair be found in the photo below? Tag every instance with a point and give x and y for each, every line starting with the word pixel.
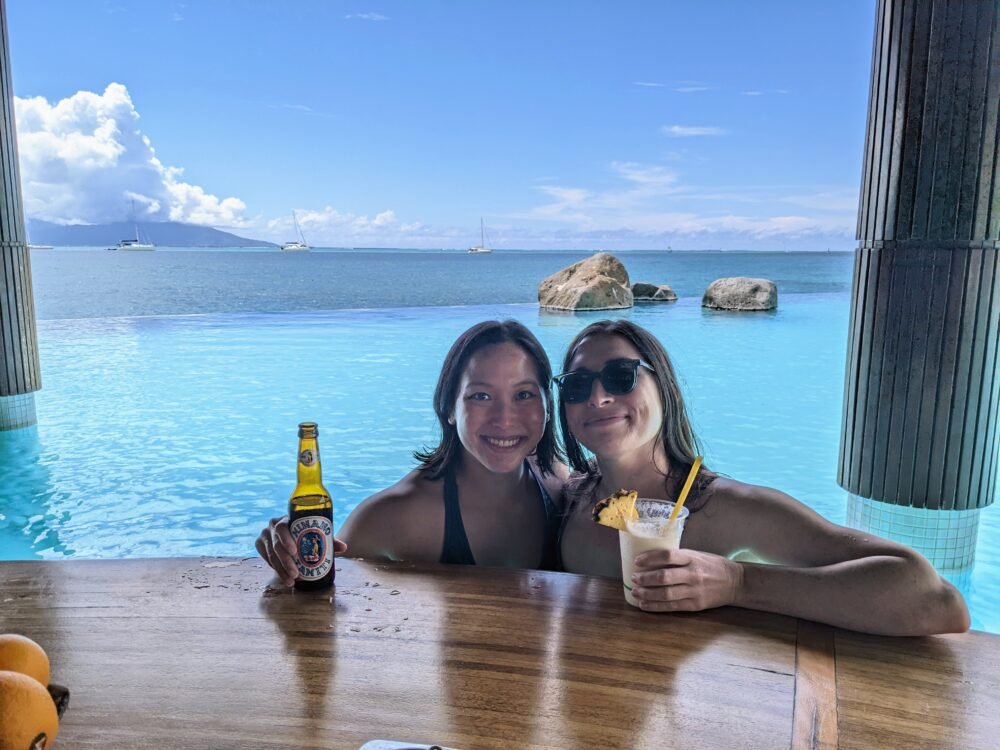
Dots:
pixel 448 453
pixel 678 438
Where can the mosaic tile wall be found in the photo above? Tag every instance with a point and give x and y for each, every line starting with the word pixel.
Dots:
pixel 945 537
pixel 17 411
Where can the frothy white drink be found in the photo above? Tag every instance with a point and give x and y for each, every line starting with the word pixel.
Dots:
pixel 653 530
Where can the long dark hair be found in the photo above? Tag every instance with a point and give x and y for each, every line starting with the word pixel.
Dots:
pixel 678 438
pixel 449 451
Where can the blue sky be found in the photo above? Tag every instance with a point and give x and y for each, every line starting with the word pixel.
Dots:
pixel 688 123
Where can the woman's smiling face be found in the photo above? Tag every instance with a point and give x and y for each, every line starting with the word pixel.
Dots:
pixel 614 425
pixel 500 409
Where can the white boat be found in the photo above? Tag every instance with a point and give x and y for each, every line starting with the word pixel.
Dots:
pixel 32 245
pixel 134 244
pixel 482 247
pixel 295 245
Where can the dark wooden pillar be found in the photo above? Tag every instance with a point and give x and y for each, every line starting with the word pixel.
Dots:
pixel 20 375
pixel 921 393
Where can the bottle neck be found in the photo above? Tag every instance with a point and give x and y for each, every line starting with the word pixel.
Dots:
pixel 309 472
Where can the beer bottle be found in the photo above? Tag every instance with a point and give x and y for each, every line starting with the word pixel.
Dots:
pixel 310 516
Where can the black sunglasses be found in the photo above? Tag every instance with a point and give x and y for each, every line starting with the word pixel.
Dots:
pixel 618 377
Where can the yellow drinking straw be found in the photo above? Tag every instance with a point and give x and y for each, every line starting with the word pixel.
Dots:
pixel 686 489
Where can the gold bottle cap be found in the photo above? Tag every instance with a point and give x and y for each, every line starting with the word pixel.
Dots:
pixel 308 429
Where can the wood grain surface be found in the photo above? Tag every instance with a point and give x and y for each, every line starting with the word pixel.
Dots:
pixel 915 693
pixel 814 725
pixel 204 653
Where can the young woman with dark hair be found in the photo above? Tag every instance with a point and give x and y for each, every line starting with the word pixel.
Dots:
pixel 488 493
pixel 743 545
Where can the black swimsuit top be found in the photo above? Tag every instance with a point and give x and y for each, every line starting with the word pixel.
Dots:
pixel 456 549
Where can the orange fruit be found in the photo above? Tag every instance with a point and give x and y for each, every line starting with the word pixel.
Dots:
pixel 21 654
pixel 28 718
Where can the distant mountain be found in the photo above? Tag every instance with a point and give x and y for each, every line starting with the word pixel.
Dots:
pixel 165 233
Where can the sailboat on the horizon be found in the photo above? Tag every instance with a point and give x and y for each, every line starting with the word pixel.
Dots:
pixel 482 247
pixel 295 245
pixel 33 246
pixel 135 244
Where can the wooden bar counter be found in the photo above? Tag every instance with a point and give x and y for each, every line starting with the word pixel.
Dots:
pixel 204 653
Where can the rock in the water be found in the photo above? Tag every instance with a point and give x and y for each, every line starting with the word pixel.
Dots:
pixel 741 293
pixel 652 292
pixel 599 282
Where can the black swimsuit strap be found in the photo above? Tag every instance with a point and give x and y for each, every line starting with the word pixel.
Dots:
pixel 456 549
pixel 551 558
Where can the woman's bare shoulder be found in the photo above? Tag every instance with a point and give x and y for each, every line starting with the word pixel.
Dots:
pixel 727 488
pixel 396 506
pixel 757 508
pixel 401 522
pixel 410 493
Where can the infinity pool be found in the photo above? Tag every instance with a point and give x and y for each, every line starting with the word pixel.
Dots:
pixel 166 436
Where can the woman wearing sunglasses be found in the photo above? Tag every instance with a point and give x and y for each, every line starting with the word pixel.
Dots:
pixel 487 493
pixel 619 398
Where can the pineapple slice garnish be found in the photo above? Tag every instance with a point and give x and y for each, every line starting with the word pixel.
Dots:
pixel 613 511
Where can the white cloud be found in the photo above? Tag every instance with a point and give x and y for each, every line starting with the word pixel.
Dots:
pixel 333 227
pixel 192 205
pixel 648 176
pixel 687 131
pixel 84 159
pixel 691 89
pixel 591 209
pixel 329 227
pixel 567 205
pixel 653 202
pixel 826 200
pixel 367 16
pixel 303 108
pixel 648 84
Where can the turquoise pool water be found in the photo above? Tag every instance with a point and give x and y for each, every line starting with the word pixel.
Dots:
pixel 162 436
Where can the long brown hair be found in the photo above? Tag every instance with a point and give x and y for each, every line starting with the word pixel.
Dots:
pixel 678 438
pixel 449 450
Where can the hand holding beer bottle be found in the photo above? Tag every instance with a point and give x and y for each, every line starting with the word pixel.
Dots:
pixel 300 547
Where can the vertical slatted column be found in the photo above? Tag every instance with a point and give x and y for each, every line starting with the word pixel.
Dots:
pixel 921 392
pixel 19 369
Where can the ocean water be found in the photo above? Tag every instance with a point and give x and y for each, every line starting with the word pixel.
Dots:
pixel 95 283
pixel 168 413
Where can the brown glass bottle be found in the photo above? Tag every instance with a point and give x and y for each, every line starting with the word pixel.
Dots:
pixel 310 516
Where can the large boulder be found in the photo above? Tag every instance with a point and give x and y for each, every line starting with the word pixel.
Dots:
pixel 641 291
pixel 741 293
pixel 598 283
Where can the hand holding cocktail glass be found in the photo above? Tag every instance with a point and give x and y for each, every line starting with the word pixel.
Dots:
pixel 656 574
pixel 654 528
pixel 660 577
